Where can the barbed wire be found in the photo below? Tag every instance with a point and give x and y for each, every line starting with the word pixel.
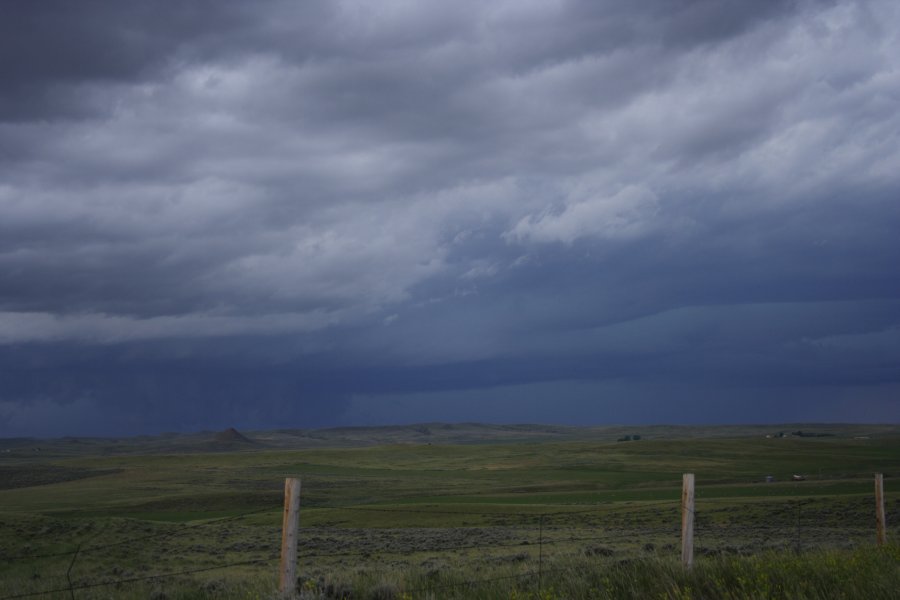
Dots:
pixel 705 524
pixel 478 582
pixel 472 583
pixel 130 541
pixel 85 586
pixel 604 510
pixel 461 513
pixel 452 548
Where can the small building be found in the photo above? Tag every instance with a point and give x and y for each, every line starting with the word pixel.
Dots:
pixel 770 479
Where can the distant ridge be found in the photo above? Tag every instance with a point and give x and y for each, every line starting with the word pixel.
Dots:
pixel 418 434
pixel 232 436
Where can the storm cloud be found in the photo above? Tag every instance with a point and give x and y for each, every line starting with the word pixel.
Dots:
pixel 301 213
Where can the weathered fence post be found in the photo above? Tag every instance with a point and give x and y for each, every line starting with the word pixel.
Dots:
pixel 288 580
pixel 880 525
pixel 687 519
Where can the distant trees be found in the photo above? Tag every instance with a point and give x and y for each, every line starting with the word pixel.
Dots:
pixel 629 438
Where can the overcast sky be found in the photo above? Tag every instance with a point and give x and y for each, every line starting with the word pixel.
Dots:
pixel 303 214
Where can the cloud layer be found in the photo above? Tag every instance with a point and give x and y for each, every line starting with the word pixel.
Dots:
pixel 412 195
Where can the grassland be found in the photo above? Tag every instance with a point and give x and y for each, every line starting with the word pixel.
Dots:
pixel 448 506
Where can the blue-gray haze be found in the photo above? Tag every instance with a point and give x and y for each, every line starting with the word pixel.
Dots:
pixel 308 213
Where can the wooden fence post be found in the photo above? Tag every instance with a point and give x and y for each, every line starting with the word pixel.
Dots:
pixel 880 525
pixel 288 580
pixel 687 520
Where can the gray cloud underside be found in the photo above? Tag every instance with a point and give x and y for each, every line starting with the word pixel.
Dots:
pixel 667 188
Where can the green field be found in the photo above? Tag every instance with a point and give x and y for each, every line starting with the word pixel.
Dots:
pixel 436 509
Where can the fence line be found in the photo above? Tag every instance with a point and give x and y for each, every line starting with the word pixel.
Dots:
pixel 80 550
pixel 85 586
pixel 704 525
pixel 129 541
pixel 473 583
pixel 593 508
pixel 435 549
pixel 461 513
pixel 528 543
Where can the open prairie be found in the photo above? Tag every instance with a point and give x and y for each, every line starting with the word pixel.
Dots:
pixel 433 510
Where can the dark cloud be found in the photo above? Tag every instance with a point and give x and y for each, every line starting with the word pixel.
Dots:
pixel 52 52
pixel 340 203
